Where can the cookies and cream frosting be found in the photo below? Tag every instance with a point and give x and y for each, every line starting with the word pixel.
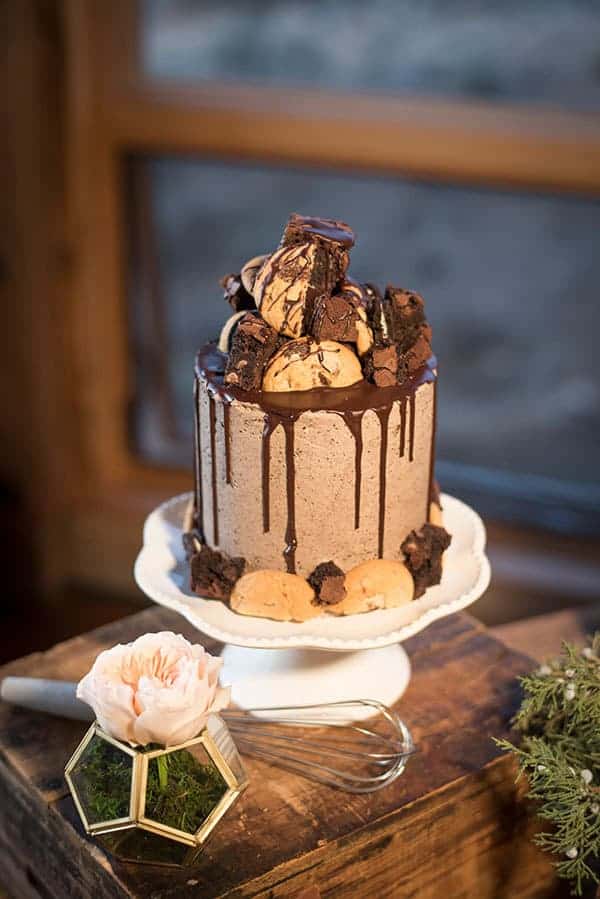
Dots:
pixel 315 377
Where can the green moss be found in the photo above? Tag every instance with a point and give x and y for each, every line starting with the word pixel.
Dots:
pixel 102 779
pixel 182 791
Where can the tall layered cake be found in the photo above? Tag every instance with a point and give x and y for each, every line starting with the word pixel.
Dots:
pixel 315 439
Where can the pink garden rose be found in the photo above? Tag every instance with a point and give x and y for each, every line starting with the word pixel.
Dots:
pixel 158 689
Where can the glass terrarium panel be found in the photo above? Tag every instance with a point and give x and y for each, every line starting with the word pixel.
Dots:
pixel 511 50
pixel 137 845
pixel 102 781
pixel 183 787
pixel 223 740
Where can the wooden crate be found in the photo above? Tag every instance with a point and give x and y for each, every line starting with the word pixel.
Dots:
pixel 452 826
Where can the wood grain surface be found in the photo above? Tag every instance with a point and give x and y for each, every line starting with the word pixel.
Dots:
pixel 452 823
pixel 541 637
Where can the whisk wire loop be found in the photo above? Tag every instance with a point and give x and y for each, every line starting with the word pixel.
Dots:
pixel 329 743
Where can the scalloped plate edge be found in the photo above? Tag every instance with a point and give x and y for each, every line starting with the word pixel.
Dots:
pixel 156 547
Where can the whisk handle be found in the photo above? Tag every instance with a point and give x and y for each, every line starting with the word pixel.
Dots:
pixel 54 697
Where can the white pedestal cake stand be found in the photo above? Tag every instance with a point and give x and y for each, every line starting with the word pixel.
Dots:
pixel 274 663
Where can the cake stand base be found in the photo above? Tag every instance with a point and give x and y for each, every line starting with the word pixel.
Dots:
pixel 285 677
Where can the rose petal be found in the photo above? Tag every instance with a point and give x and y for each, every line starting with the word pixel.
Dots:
pixel 158 689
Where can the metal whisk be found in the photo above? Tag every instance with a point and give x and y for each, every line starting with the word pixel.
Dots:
pixel 331 743
pixel 328 743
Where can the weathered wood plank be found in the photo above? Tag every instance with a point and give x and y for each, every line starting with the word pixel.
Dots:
pixel 40 857
pixel 454 816
pixel 472 837
pixel 541 637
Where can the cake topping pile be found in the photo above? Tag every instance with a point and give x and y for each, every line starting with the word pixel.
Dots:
pixel 301 323
pixel 309 325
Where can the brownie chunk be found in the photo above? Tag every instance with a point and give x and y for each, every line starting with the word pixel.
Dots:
pixel 380 365
pixel 405 314
pixel 214 574
pixel 423 555
pixel 327 580
pixel 301 228
pixel 252 345
pixel 236 294
pixel 332 240
pixel 334 318
pixel 416 356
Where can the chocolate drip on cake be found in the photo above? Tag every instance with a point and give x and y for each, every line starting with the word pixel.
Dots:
pixel 402 426
pixel 268 428
pixel 213 466
pixel 272 421
pixel 291 540
pixel 198 510
pixel 383 415
pixel 227 439
pixel 433 494
pixel 353 421
pixel 411 430
pixel 408 415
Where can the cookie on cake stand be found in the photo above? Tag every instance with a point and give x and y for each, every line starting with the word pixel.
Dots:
pixel 324 659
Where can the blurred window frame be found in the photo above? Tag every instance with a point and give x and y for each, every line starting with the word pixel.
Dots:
pixel 84 99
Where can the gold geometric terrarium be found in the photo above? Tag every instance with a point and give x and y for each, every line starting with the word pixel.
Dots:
pixel 151 804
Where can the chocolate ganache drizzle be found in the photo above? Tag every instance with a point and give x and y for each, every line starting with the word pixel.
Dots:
pixel 285 409
pixel 198 519
pixel 212 412
pixel 353 420
pixel 227 439
pixel 328 230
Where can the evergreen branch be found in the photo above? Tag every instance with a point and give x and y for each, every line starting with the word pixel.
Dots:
pixel 559 754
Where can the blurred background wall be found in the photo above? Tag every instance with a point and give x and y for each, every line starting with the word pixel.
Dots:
pixel 152 146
